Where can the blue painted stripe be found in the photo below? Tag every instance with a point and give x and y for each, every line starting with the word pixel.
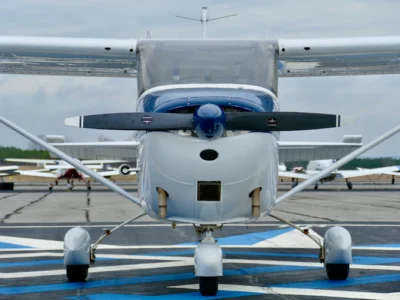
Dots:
pixel 381 246
pixel 361 260
pixel 40 263
pixel 329 284
pixel 138 280
pixel 12 246
pixel 249 238
pixel 191 295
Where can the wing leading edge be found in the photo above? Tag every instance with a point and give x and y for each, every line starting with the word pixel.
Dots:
pixel 67 56
pixel 339 56
pixel 117 57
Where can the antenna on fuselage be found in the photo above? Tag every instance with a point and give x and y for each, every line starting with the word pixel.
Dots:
pixel 204 19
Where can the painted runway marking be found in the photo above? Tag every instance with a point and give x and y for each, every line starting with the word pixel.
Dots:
pixel 299 292
pixel 138 280
pixel 181 296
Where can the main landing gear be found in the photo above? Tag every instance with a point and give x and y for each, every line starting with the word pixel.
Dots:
pixel 295 182
pixel 349 184
pixel 393 180
pixel 335 252
pixel 79 254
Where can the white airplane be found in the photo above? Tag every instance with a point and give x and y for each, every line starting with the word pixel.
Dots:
pixel 316 166
pixel 61 170
pixel 8 170
pixel 209 121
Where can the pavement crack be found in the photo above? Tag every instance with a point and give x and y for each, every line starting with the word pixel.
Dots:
pixel 87 210
pixel 8 196
pixel 18 210
pixel 304 215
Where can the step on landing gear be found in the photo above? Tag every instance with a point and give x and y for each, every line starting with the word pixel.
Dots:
pixel 335 252
pixel 208 264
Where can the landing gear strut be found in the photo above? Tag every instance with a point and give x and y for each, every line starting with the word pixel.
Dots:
pixel 393 180
pixel 335 252
pixel 79 254
pixel 294 182
pixel 349 184
pixel 316 186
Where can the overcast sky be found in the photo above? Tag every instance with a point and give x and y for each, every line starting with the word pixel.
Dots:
pixel 40 103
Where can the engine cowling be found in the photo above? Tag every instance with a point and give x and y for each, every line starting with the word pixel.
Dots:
pixel 124 170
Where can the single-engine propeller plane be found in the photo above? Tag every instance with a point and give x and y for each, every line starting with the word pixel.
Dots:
pixel 60 170
pixel 208 123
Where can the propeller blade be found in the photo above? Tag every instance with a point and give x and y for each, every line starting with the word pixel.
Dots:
pixel 134 121
pixel 279 121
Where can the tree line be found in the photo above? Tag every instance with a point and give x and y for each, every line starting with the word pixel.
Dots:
pixel 369 163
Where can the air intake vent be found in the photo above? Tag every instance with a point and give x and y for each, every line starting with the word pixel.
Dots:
pixel 209 190
pixel 209 154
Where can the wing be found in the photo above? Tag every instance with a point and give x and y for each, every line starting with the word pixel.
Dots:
pixel 112 173
pixel 32 161
pixel 300 151
pixel 294 175
pixel 339 56
pixel 109 151
pixel 38 174
pixel 117 57
pixel 367 172
pixel 68 56
pixel 8 168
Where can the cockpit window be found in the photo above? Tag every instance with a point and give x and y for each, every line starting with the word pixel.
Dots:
pixel 207 61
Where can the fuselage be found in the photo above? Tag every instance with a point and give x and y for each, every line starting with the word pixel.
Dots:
pixel 207 181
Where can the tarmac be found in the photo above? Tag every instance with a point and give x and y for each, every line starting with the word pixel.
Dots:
pixel 150 260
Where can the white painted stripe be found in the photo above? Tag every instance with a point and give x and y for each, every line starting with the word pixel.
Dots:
pixel 307 264
pixel 144 266
pixel 28 242
pixel 297 292
pixel 110 247
pixel 24 255
pixel 291 239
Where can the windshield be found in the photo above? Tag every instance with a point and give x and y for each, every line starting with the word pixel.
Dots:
pixel 207 61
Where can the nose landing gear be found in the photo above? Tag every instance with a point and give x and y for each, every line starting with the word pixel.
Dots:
pixel 208 264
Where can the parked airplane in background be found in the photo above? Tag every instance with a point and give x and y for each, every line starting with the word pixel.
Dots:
pixel 60 170
pixel 8 170
pixel 208 125
pixel 316 166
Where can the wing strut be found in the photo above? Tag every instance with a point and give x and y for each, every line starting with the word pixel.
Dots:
pixel 338 164
pixel 77 164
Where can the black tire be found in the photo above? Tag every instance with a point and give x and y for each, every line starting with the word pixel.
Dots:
pixel 77 273
pixel 294 184
pixel 393 181
pixel 89 188
pixel 7 186
pixel 316 187
pixel 337 271
pixel 50 188
pixel 350 186
pixel 208 286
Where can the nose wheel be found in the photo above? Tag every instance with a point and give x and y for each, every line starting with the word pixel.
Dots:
pixel 208 262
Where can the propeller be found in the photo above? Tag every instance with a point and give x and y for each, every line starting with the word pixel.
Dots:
pixel 209 121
